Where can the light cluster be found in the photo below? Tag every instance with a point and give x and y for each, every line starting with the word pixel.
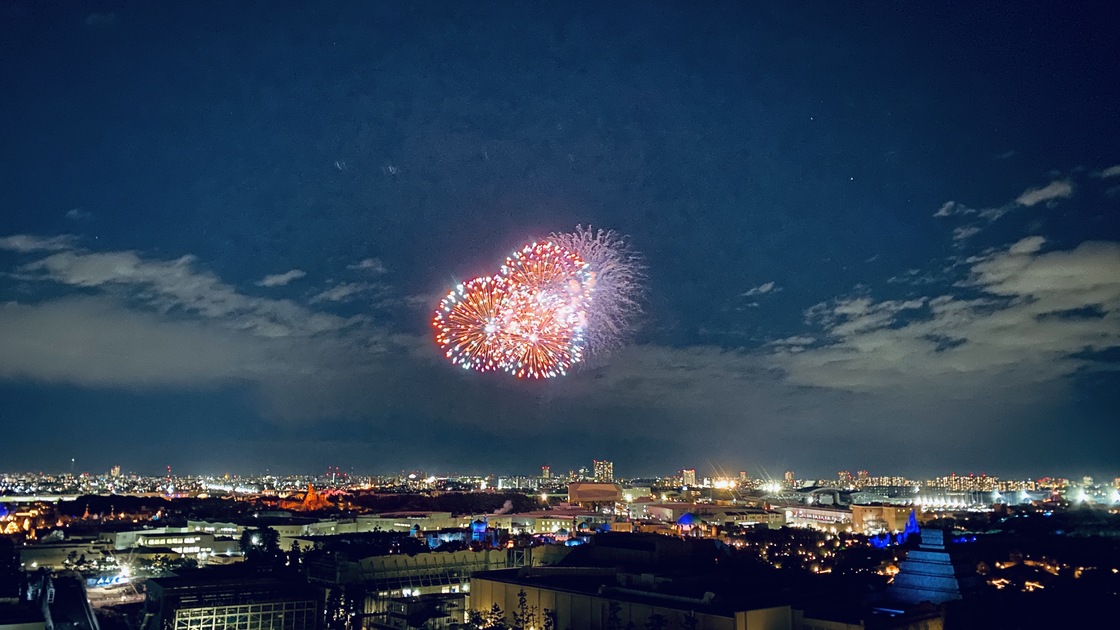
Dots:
pixel 532 318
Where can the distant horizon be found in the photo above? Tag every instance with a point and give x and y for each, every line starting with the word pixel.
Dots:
pixel 1105 478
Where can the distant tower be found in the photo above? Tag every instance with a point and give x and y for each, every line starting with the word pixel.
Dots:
pixel 115 471
pixel 743 477
pixel 546 472
pixel 313 500
pixel 604 470
pixel 688 477
pixel 789 478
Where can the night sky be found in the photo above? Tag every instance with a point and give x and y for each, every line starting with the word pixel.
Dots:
pixel 877 237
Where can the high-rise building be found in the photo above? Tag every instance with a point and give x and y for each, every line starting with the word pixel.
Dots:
pixel 604 470
pixel 115 471
pixel 789 478
pixel 688 476
pixel 743 477
pixel 546 472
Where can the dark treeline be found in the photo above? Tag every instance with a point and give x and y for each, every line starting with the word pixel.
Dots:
pixel 223 508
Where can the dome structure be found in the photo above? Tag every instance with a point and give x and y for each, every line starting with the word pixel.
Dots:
pixel 688 519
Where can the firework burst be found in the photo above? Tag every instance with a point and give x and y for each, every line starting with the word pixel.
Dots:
pixel 552 303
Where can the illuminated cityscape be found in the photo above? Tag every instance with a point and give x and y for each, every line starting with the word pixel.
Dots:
pixel 174 548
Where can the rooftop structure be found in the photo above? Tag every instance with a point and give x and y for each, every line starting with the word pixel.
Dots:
pixel 205 600
pixel 588 493
pixel 645 581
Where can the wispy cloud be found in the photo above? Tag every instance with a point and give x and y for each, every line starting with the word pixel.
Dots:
pixel 175 286
pixel 1056 189
pixel 993 214
pixel 371 265
pixel 343 292
pixel 26 243
pixel 1024 311
pixel 281 279
pixel 1112 171
pixel 79 214
pixel 121 319
pixel 964 232
pixel 953 208
pixel 765 287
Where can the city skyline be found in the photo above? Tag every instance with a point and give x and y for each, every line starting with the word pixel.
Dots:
pixel 883 241
pixel 334 475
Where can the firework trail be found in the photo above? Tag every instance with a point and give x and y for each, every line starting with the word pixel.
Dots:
pixel 552 302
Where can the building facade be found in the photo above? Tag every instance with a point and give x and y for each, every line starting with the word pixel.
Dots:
pixel 604 471
pixel 231 603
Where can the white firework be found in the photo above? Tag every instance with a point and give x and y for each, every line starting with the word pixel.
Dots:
pixel 616 278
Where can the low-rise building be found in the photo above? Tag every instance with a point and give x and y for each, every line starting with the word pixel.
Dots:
pixel 877 518
pixel 747 517
pixel 833 519
pixel 648 581
pixel 594 493
pixel 245 602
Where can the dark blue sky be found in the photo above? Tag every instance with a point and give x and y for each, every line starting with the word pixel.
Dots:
pixel 880 237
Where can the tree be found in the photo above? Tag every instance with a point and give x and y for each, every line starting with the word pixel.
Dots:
pixel 261 547
pixel 295 555
pixel 525 616
pixel 333 608
pixel 493 619
pixel 353 602
pixel 548 619
pixel 614 616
